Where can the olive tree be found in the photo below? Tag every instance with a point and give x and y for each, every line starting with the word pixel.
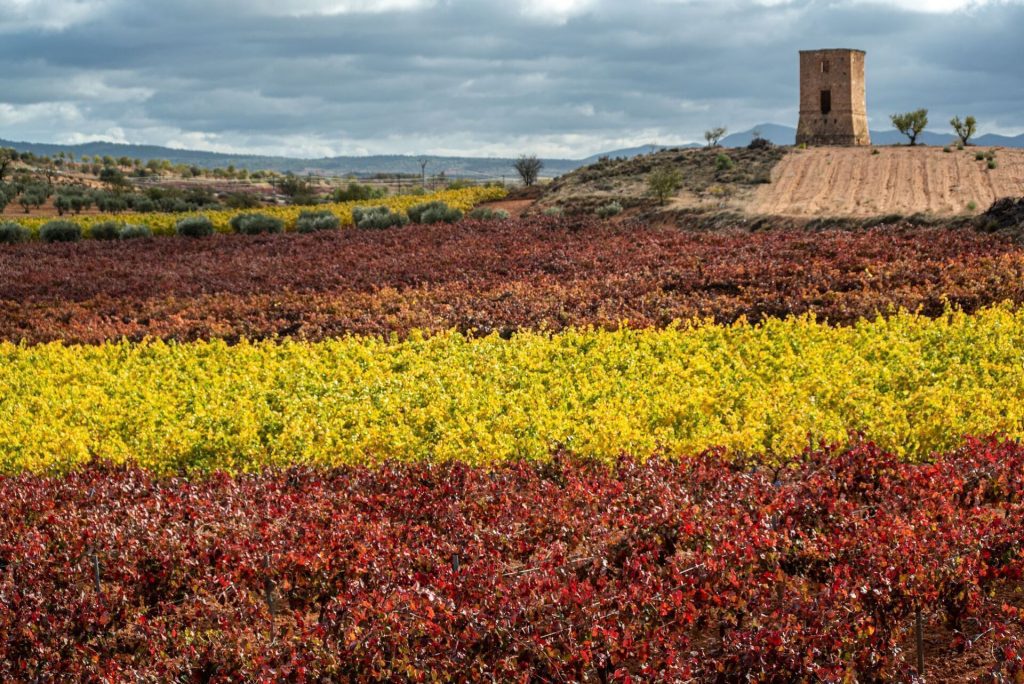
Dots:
pixel 663 182
pixel 965 129
pixel 714 136
pixel 911 124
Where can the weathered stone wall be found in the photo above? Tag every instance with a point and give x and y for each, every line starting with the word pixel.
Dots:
pixel 841 118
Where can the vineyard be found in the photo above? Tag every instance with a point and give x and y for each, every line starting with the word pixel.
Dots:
pixel 550 449
pixel 163 223
pixel 479 277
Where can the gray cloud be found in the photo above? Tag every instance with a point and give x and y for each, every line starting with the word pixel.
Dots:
pixel 562 77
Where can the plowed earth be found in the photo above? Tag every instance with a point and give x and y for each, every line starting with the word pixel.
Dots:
pixel 852 181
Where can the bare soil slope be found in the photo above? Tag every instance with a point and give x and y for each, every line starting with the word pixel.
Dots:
pixel 839 182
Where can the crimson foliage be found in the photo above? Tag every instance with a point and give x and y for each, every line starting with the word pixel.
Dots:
pixel 568 571
pixel 488 276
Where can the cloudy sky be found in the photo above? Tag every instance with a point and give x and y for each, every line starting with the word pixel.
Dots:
pixel 556 77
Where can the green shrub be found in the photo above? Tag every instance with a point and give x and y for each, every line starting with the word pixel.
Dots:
pixel 377 218
pixel 664 182
pixel 875 151
pixel 947 149
pixel 488 214
pixel 433 212
pixel 416 211
pixel 107 230
pixel 254 224
pixel 242 200
pixel 960 146
pixel 142 204
pixel 131 231
pixel 723 162
pixel 441 214
pixel 972 205
pixel 608 210
pixel 194 227
pixel 11 232
pixel 461 184
pixel 314 221
pixel 554 211
pixel 992 164
pixel 358 193
pixel 60 231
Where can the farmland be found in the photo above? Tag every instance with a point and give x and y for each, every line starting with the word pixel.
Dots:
pixel 478 278
pixel 547 448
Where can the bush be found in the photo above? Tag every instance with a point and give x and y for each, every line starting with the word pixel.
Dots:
pixel 554 211
pixel 992 164
pixel 947 149
pixel 242 200
pixel 377 218
pixel 11 232
pixel 433 212
pixel 142 204
pixel 488 214
pixel 979 156
pixel 441 214
pixel 314 221
pixel 358 193
pixel 131 231
pixel 972 205
pixel 723 162
pixel 254 224
pixel 664 182
pixel 875 151
pixel 416 211
pixel 609 210
pixel 194 227
pixel 107 230
pixel 60 231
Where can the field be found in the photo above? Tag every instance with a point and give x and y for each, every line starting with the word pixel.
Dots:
pixel 538 449
pixel 897 180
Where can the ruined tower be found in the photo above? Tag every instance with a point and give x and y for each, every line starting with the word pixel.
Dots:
pixel 833 106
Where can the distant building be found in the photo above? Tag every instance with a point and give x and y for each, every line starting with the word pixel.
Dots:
pixel 833 105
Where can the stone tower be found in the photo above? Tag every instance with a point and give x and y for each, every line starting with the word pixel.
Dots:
pixel 833 106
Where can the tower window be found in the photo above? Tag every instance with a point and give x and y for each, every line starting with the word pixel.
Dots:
pixel 826 101
pixel 824 66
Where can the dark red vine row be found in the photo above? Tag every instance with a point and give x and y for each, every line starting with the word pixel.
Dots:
pixel 569 571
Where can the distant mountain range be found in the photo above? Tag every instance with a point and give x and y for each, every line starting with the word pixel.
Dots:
pixel 453 167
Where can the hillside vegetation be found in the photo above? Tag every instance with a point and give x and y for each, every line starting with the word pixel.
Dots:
pixel 712 178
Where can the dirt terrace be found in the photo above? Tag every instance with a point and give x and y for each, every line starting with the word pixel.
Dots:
pixel 836 181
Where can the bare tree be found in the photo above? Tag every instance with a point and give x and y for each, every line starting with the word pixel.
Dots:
pixel 714 136
pixel 528 168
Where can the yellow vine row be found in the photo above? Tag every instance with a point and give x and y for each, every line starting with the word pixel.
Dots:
pixel 162 223
pixel 911 383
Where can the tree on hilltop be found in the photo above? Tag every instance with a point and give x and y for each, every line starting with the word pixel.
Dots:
pixel 965 129
pixel 714 136
pixel 911 124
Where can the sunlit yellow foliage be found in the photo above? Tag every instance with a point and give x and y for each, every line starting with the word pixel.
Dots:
pixel 913 384
pixel 163 223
